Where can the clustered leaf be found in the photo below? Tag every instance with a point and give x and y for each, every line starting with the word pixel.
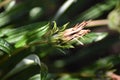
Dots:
pixel 5 46
pixel 26 34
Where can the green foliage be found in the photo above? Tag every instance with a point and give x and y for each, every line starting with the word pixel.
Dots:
pixel 32 43
pixel 5 46
pixel 93 37
pixel 35 77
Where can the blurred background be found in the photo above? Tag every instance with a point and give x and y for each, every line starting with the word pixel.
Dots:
pixel 92 61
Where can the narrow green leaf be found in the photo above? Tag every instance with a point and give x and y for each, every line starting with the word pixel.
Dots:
pixel 37 36
pixel 32 36
pixel 26 28
pixel 25 63
pixel 4 31
pixel 64 26
pixel 25 34
pixel 35 77
pixel 21 42
pixel 55 28
pixel 5 46
pixel 93 37
pixel 16 37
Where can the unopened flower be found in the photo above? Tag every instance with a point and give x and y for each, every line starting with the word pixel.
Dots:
pixel 76 32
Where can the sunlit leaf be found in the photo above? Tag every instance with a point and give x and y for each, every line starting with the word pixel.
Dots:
pixel 25 63
pixel 93 37
pixel 35 77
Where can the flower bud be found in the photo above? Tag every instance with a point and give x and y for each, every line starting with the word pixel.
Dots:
pixel 69 35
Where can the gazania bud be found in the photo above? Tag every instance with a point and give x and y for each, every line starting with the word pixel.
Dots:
pixel 72 34
pixel 75 32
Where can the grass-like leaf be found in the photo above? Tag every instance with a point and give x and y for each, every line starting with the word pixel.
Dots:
pixel 26 34
pixel 25 63
pixel 5 46
pixel 93 37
